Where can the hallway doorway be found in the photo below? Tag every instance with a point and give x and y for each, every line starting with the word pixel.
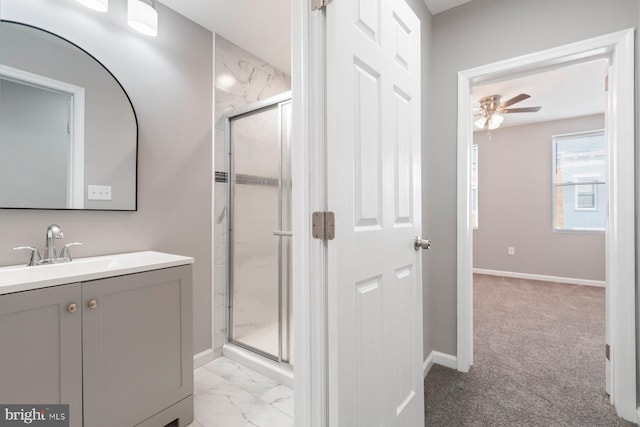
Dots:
pixel 620 247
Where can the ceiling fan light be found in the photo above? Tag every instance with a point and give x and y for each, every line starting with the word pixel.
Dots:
pixel 143 17
pixel 481 122
pixel 495 121
pixel 97 5
pixel 497 118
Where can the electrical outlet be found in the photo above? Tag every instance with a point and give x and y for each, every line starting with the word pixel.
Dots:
pixel 511 250
pixel 99 192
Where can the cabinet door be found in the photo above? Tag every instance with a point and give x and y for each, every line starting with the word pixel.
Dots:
pixel 40 349
pixel 137 345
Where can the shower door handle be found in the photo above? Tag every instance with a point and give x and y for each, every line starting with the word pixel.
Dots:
pixel 282 233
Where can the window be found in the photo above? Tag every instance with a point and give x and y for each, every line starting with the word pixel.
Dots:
pixel 579 181
pixel 474 186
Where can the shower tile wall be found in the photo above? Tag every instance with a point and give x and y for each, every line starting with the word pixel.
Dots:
pixel 241 78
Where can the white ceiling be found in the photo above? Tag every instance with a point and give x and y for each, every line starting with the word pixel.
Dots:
pixel 437 6
pixel 262 27
pixel 572 91
pixel 259 26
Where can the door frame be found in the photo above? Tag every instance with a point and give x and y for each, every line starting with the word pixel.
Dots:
pixel 620 248
pixel 309 194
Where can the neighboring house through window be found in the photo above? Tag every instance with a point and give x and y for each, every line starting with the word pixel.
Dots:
pixel 579 181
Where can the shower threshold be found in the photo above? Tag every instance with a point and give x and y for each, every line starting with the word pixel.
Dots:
pixel 282 373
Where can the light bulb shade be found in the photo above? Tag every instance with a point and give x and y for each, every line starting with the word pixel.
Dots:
pixel 497 118
pixel 494 121
pixel 97 5
pixel 481 122
pixel 143 17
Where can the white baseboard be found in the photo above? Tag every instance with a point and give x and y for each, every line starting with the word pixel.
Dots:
pixel 435 357
pixel 543 278
pixel 203 358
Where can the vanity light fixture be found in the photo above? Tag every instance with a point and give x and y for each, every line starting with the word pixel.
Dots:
pixel 97 5
pixel 143 16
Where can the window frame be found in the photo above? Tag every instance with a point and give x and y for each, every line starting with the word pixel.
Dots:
pixel 596 180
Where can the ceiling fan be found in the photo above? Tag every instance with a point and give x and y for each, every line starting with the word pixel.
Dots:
pixel 491 110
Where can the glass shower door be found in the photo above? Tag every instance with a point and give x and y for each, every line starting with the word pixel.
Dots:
pixel 260 231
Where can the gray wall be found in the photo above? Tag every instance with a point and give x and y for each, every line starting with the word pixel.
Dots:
pixel 169 80
pixel 421 11
pixel 462 38
pixel 515 205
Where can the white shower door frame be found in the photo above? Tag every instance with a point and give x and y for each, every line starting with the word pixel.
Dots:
pixel 276 101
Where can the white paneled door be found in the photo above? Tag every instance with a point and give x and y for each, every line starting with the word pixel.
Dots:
pixel 374 272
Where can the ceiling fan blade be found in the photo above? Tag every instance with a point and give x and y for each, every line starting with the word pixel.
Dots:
pixel 521 110
pixel 515 100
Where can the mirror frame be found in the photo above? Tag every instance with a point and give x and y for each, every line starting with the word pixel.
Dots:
pixel 135 117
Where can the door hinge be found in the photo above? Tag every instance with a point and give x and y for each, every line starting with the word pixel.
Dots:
pixel 607 351
pixel 319 4
pixel 323 225
pixel 606 83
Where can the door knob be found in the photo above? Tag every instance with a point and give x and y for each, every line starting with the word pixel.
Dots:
pixel 72 308
pixel 93 303
pixel 419 243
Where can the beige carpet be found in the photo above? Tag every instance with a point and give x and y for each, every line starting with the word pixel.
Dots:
pixel 539 360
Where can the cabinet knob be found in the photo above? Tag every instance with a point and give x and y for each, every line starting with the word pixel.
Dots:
pixel 72 308
pixel 93 303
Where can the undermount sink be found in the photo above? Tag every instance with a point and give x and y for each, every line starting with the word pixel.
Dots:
pixel 21 277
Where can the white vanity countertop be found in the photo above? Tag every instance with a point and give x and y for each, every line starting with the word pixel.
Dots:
pixel 18 278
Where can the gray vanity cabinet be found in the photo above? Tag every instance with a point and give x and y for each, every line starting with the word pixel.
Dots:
pixel 41 348
pixel 137 346
pixel 118 350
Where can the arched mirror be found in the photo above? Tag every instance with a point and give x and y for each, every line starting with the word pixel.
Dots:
pixel 68 130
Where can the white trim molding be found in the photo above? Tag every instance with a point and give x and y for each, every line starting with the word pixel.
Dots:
pixel 619 48
pixel 438 358
pixel 204 357
pixel 542 278
pixel 308 94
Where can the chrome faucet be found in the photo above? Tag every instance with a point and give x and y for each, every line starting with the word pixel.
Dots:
pixel 54 232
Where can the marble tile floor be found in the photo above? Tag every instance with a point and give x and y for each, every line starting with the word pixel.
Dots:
pixel 230 395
